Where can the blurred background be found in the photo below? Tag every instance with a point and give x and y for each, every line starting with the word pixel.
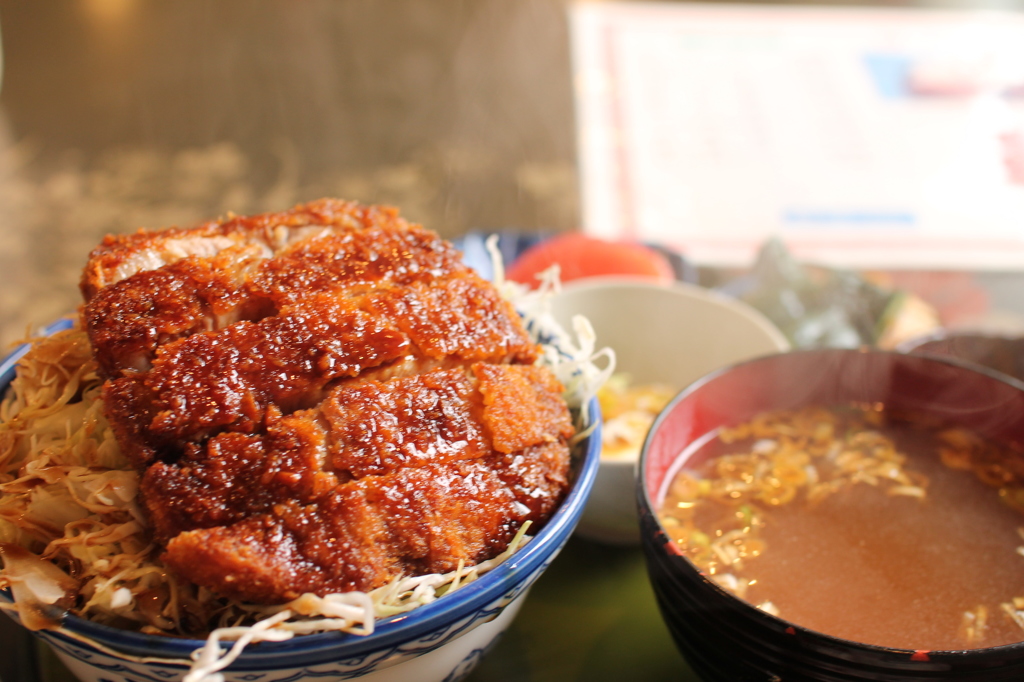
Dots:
pixel 120 114
pixel 117 114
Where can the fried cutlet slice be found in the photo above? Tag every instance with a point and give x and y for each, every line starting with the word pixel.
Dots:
pixel 130 318
pixel 496 436
pixel 412 521
pixel 360 429
pixel 227 379
pixel 127 321
pixel 368 531
pixel 121 256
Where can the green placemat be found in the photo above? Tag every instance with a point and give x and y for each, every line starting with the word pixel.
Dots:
pixel 591 616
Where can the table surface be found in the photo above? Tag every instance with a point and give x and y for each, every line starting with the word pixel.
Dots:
pixel 116 114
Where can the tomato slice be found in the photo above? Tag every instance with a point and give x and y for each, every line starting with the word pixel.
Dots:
pixel 579 255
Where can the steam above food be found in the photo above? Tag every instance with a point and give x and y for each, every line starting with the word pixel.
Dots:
pixel 321 400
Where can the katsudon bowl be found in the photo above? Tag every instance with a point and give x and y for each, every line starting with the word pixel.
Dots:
pixel 442 640
pixel 726 638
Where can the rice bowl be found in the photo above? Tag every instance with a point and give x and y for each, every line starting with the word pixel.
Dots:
pixel 441 640
pixel 317 420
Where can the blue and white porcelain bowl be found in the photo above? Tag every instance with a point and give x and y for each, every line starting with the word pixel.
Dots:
pixel 441 641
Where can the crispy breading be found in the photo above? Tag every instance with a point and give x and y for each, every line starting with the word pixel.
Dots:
pixel 321 400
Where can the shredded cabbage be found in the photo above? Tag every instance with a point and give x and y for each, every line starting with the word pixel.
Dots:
pixel 575 361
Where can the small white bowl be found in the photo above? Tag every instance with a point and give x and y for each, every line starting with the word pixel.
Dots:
pixel 670 335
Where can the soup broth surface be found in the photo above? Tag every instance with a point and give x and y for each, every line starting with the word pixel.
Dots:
pixel 866 527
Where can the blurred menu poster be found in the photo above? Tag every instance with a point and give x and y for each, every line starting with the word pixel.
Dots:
pixel 861 137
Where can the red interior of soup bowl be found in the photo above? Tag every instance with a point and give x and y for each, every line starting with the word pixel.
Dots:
pixel 948 390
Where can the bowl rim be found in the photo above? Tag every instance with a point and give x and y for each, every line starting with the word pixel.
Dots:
pixel 945 334
pixel 682 290
pixel 648 508
pixel 390 631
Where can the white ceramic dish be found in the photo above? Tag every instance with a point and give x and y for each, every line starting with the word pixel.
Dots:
pixel 669 335
pixel 442 641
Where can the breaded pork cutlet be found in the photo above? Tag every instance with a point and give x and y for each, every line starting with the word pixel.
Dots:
pixel 321 400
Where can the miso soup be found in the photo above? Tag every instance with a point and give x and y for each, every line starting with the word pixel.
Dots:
pixel 860 524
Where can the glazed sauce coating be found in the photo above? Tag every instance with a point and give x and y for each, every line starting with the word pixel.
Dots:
pixel 321 400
